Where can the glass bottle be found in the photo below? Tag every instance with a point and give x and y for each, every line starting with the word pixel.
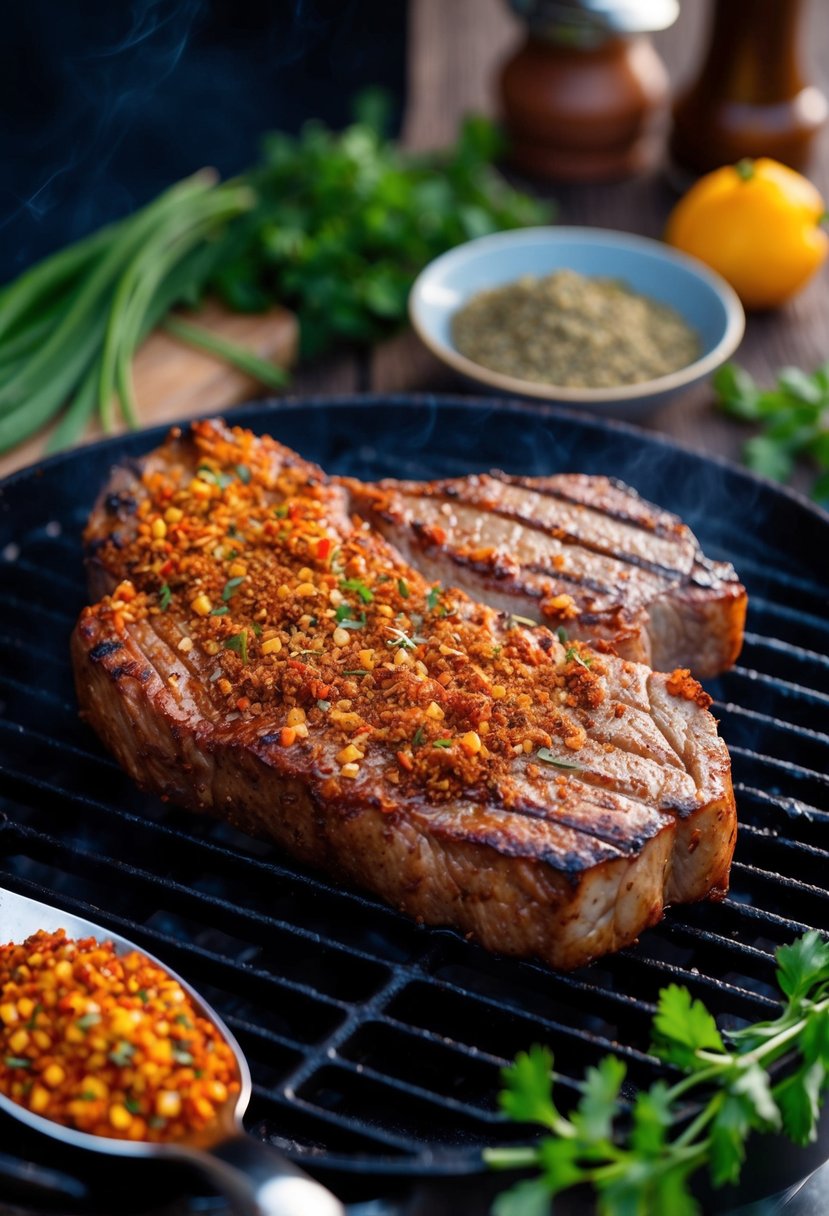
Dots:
pixel 751 97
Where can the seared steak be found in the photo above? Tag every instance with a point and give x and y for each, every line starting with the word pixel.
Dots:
pixel 585 553
pixel 260 654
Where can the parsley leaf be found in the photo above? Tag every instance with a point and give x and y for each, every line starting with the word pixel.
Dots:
pixel 594 1115
pixel 792 417
pixel 527 1096
pixel 528 1198
pixel 683 1026
pixel 165 595
pixel 803 964
pixel 798 1099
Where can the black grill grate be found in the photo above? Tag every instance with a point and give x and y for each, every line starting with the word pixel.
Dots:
pixel 375 1044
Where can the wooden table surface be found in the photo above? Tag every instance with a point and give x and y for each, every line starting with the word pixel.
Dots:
pixel 455 48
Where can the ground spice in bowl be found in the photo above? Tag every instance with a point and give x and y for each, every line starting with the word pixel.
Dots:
pixel 573 331
pixel 105 1043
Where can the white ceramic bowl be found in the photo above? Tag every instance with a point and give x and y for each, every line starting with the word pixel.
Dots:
pixel 702 297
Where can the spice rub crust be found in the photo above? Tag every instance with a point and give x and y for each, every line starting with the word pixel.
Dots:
pixel 261 654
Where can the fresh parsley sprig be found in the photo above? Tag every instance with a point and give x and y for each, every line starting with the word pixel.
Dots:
pixel 639 1158
pixel 793 418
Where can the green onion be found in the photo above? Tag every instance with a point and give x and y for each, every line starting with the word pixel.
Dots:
pixel 245 360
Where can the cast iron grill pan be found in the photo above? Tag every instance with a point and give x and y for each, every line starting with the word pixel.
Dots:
pixel 375 1045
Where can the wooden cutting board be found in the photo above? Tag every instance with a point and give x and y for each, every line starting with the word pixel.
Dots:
pixel 175 381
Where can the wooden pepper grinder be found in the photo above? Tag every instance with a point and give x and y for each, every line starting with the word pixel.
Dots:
pixel 751 98
pixel 580 96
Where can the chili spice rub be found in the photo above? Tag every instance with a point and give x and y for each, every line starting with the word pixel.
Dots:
pixel 107 1044
pixel 261 653
pixel 573 331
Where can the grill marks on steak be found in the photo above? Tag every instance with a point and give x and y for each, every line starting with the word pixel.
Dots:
pixel 572 550
pixel 533 859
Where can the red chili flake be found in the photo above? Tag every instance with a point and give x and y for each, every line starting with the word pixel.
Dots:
pixel 323 548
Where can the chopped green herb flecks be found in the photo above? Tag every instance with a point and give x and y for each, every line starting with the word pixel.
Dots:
pixel 546 757
pixel 526 621
pixel 572 655
pixel 239 643
pixel 165 596
pixel 356 584
pixel 345 620
pixel 231 587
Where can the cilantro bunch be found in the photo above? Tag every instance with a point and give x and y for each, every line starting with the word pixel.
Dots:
pixel 345 221
pixel 794 418
pixel 639 1159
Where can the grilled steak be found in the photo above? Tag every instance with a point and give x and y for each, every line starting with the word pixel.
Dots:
pixel 260 654
pixel 581 552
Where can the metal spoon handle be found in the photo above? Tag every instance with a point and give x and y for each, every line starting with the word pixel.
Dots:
pixel 259 1181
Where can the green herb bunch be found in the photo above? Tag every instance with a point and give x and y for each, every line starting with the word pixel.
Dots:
pixel 794 418
pixel 336 225
pixel 639 1158
pixel 345 222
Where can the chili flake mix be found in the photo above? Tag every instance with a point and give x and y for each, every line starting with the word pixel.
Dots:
pixel 105 1043
pixel 298 623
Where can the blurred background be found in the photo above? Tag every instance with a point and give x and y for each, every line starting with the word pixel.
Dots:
pixel 106 104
